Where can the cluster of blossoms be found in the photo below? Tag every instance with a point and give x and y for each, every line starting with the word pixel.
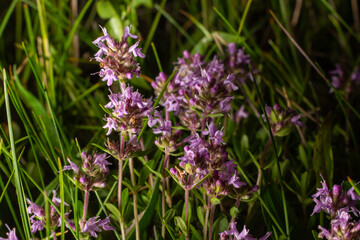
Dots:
pixel 340 206
pixel 169 138
pixel 282 120
pixel 206 161
pixel 93 171
pixel 200 86
pixel 233 234
pixel 11 235
pixel 127 111
pixel 91 175
pixel 38 219
pixel 342 81
pixel 117 58
pixel 237 63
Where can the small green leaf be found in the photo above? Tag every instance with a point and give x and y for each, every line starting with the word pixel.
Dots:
pixel 195 233
pixel 234 211
pixel 200 213
pixel 169 214
pixel 105 9
pixel 215 201
pixel 124 199
pixel 179 222
pixel 114 210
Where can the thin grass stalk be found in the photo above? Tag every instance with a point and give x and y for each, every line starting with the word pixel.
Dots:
pixel 18 184
pixel 286 217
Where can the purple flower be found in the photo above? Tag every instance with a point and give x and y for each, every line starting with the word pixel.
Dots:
pixel 127 112
pixel 38 218
pixel 94 225
pixel 237 63
pixel 336 199
pixel 241 114
pixel 355 76
pixel 342 227
pixel 282 120
pixel 11 235
pixel 233 234
pixel 93 171
pixel 117 58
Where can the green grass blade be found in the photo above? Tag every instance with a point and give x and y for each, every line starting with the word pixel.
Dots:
pixel 18 183
pixel 7 17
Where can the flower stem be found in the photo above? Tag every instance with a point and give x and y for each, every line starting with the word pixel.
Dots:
pixel 120 159
pixel 212 212
pixel 86 203
pixel 187 212
pixel 166 159
pixel 133 182
pixel 206 218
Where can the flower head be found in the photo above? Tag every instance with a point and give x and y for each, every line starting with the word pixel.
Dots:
pixel 127 112
pixel 282 120
pixel 93 171
pixel 331 201
pixel 11 235
pixel 117 59
pixel 233 234
pixel 38 218
pixel 94 225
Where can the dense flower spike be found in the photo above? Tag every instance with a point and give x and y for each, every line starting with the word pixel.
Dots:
pixel 11 235
pixel 206 162
pixel 282 120
pixel 168 139
pixel 237 63
pixel 342 228
pixel 233 234
pixel 38 218
pixel 93 171
pixel 338 204
pixel 95 224
pixel 331 201
pixel 117 58
pixel 197 87
pixel 127 112
pixel 342 81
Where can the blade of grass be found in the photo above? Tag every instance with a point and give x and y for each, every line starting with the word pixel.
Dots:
pixel 247 7
pixel 7 17
pixel 18 184
pixel 277 158
pixel 314 65
pixel 153 28
pixel 156 57
pixel 173 22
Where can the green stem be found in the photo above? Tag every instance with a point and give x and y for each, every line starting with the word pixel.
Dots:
pixel 277 159
pixel 135 195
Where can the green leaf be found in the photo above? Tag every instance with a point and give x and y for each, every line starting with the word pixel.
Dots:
pixel 145 172
pixel 322 158
pixel 234 211
pixel 200 213
pixel 303 157
pixel 195 234
pixel 124 199
pixel 114 210
pixel 215 201
pixel 179 222
pixel 105 9
pixel 169 214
